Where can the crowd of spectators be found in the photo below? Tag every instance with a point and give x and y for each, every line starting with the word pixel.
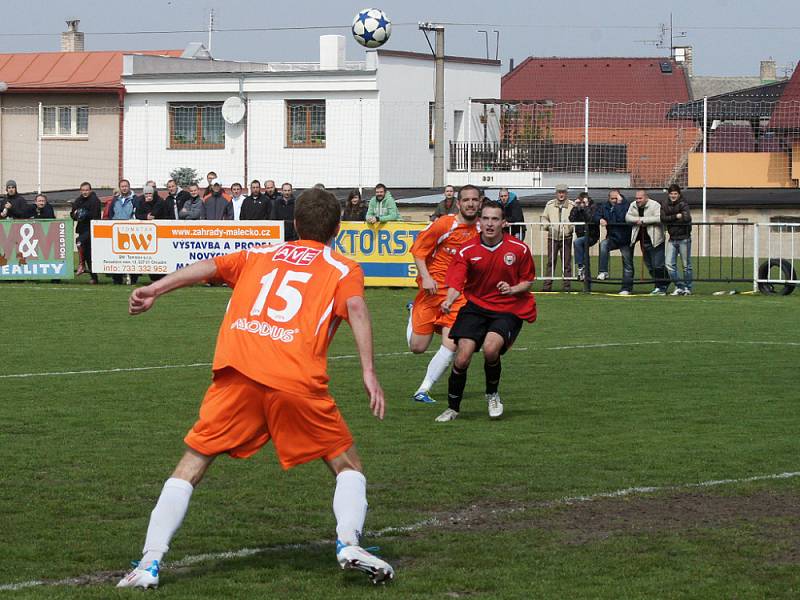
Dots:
pixel 572 226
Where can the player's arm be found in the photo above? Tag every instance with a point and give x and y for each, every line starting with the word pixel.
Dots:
pixel 452 296
pixel 358 317
pixel 422 248
pixel 142 299
pixel 507 289
pixel 526 272
pixel 428 282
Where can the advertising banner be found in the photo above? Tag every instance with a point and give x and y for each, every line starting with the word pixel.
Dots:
pixel 160 247
pixel 383 250
pixel 37 249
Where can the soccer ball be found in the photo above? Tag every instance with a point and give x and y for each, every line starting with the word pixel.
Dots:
pixel 372 27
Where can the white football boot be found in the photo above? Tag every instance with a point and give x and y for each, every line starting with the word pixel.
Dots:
pixel 141 578
pixel 447 415
pixel 495 405
pixel 358 559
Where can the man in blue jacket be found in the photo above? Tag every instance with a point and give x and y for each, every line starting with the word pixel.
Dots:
pixel 618 237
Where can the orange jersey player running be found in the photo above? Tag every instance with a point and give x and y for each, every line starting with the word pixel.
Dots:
pixel 433 251
pixel 270 378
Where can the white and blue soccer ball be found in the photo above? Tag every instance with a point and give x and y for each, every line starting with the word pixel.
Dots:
pixel 372 27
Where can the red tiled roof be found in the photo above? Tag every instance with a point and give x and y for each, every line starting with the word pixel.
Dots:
pixel 67 70
pixel 601 79
pixel 786 114
pixel 623 92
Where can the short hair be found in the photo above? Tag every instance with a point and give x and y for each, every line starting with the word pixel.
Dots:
pixel 503 189
pixel 641 190
pixel 317 215
pixel 125 180
pixel 194 184
pixel 85 183
pixel 469 186
pixel 40 195
pixel 674 188
pixel 211 173
pixel 255 181
pixel 266 180
pixel 615 190
pixel 286 183
pixel 237 183
pixel 489 203
pixel 449 185
pixel 171 181
pixel 583 195
pixel 380 185
pixel 319 186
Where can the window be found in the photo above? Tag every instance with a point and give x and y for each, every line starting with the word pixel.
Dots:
pixel 65 121
pixel 305 123
pixel 196 125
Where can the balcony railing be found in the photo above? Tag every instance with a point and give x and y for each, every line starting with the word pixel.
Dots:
pixel 537 156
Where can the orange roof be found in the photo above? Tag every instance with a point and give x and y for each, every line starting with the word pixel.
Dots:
pixel 67 70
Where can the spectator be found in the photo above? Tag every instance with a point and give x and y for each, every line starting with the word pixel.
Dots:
pixel 151 206
pixel 256 207
pixel 645 216
pixel 354 208
pixel 14 205
pixel 448 204
pixel 512 213
pixel 271 193
pixel 123 207
pixel 584 212
pixel 41 208
pixel 210 177
pixel 194 209
pixel 237 200
pixel 283 210
pixel 176 198
pixel 675 213
pixel 319 186
pixel 218 207
pixel 559 237
pixel 123 204
pixel 382 207
pixel 85 209
pixel 611 215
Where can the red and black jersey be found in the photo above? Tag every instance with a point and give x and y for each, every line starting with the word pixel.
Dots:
pixel 477 269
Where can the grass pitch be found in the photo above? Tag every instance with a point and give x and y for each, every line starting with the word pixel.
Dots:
pixel 602 394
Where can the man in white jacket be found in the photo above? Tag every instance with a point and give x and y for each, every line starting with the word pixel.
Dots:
pixel 645 216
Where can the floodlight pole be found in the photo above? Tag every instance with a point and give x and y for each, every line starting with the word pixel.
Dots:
pixel 438 103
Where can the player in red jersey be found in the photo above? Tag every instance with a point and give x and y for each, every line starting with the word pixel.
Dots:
pixel 270 376
pixel 495 272
pixel 433 251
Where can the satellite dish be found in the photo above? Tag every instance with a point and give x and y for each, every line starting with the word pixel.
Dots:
pixel 233 110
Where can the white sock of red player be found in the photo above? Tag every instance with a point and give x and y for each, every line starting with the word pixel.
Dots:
pixel 438 365
pixel 350 506
pixel 165 519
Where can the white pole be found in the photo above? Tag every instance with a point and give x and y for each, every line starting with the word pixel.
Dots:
pixel 146 139
pixel 39 151
pixel 586 145
pixel 705 175
pixel 360 141
pixel 755 257
pixel 210 28
pixel 469 140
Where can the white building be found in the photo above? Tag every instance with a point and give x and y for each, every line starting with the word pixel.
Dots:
pixel 344 124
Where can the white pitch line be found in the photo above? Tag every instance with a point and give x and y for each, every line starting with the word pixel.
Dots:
pixel 405 353
pixel 390 531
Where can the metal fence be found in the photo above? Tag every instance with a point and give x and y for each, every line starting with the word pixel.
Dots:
pixel 765 255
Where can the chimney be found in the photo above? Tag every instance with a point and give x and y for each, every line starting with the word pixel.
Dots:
pixel 72 39
pixel 683 56
pixel 769 71
pixel 510 65
pixel 331 52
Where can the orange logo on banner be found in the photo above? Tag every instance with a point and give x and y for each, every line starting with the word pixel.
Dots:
pixel 134 238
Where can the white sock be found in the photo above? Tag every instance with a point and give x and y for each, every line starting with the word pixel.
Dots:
pixel 438 365
pixel 409 330
pixel 350 506
pixel 165 519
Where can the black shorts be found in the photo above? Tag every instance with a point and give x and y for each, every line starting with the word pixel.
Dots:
pixel 474 322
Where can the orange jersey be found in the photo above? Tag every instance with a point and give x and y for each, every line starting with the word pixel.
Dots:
pixel 287 301
pixel 438 243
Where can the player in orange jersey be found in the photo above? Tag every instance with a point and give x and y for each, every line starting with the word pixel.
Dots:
pixel 270 378
pixel 433 251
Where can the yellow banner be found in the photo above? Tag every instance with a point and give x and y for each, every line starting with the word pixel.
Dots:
pixel 383 250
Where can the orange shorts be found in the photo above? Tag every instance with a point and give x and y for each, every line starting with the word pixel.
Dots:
pixel 426 316
pixel 239 416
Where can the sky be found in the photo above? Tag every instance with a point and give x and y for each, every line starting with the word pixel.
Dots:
pixel 729 37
